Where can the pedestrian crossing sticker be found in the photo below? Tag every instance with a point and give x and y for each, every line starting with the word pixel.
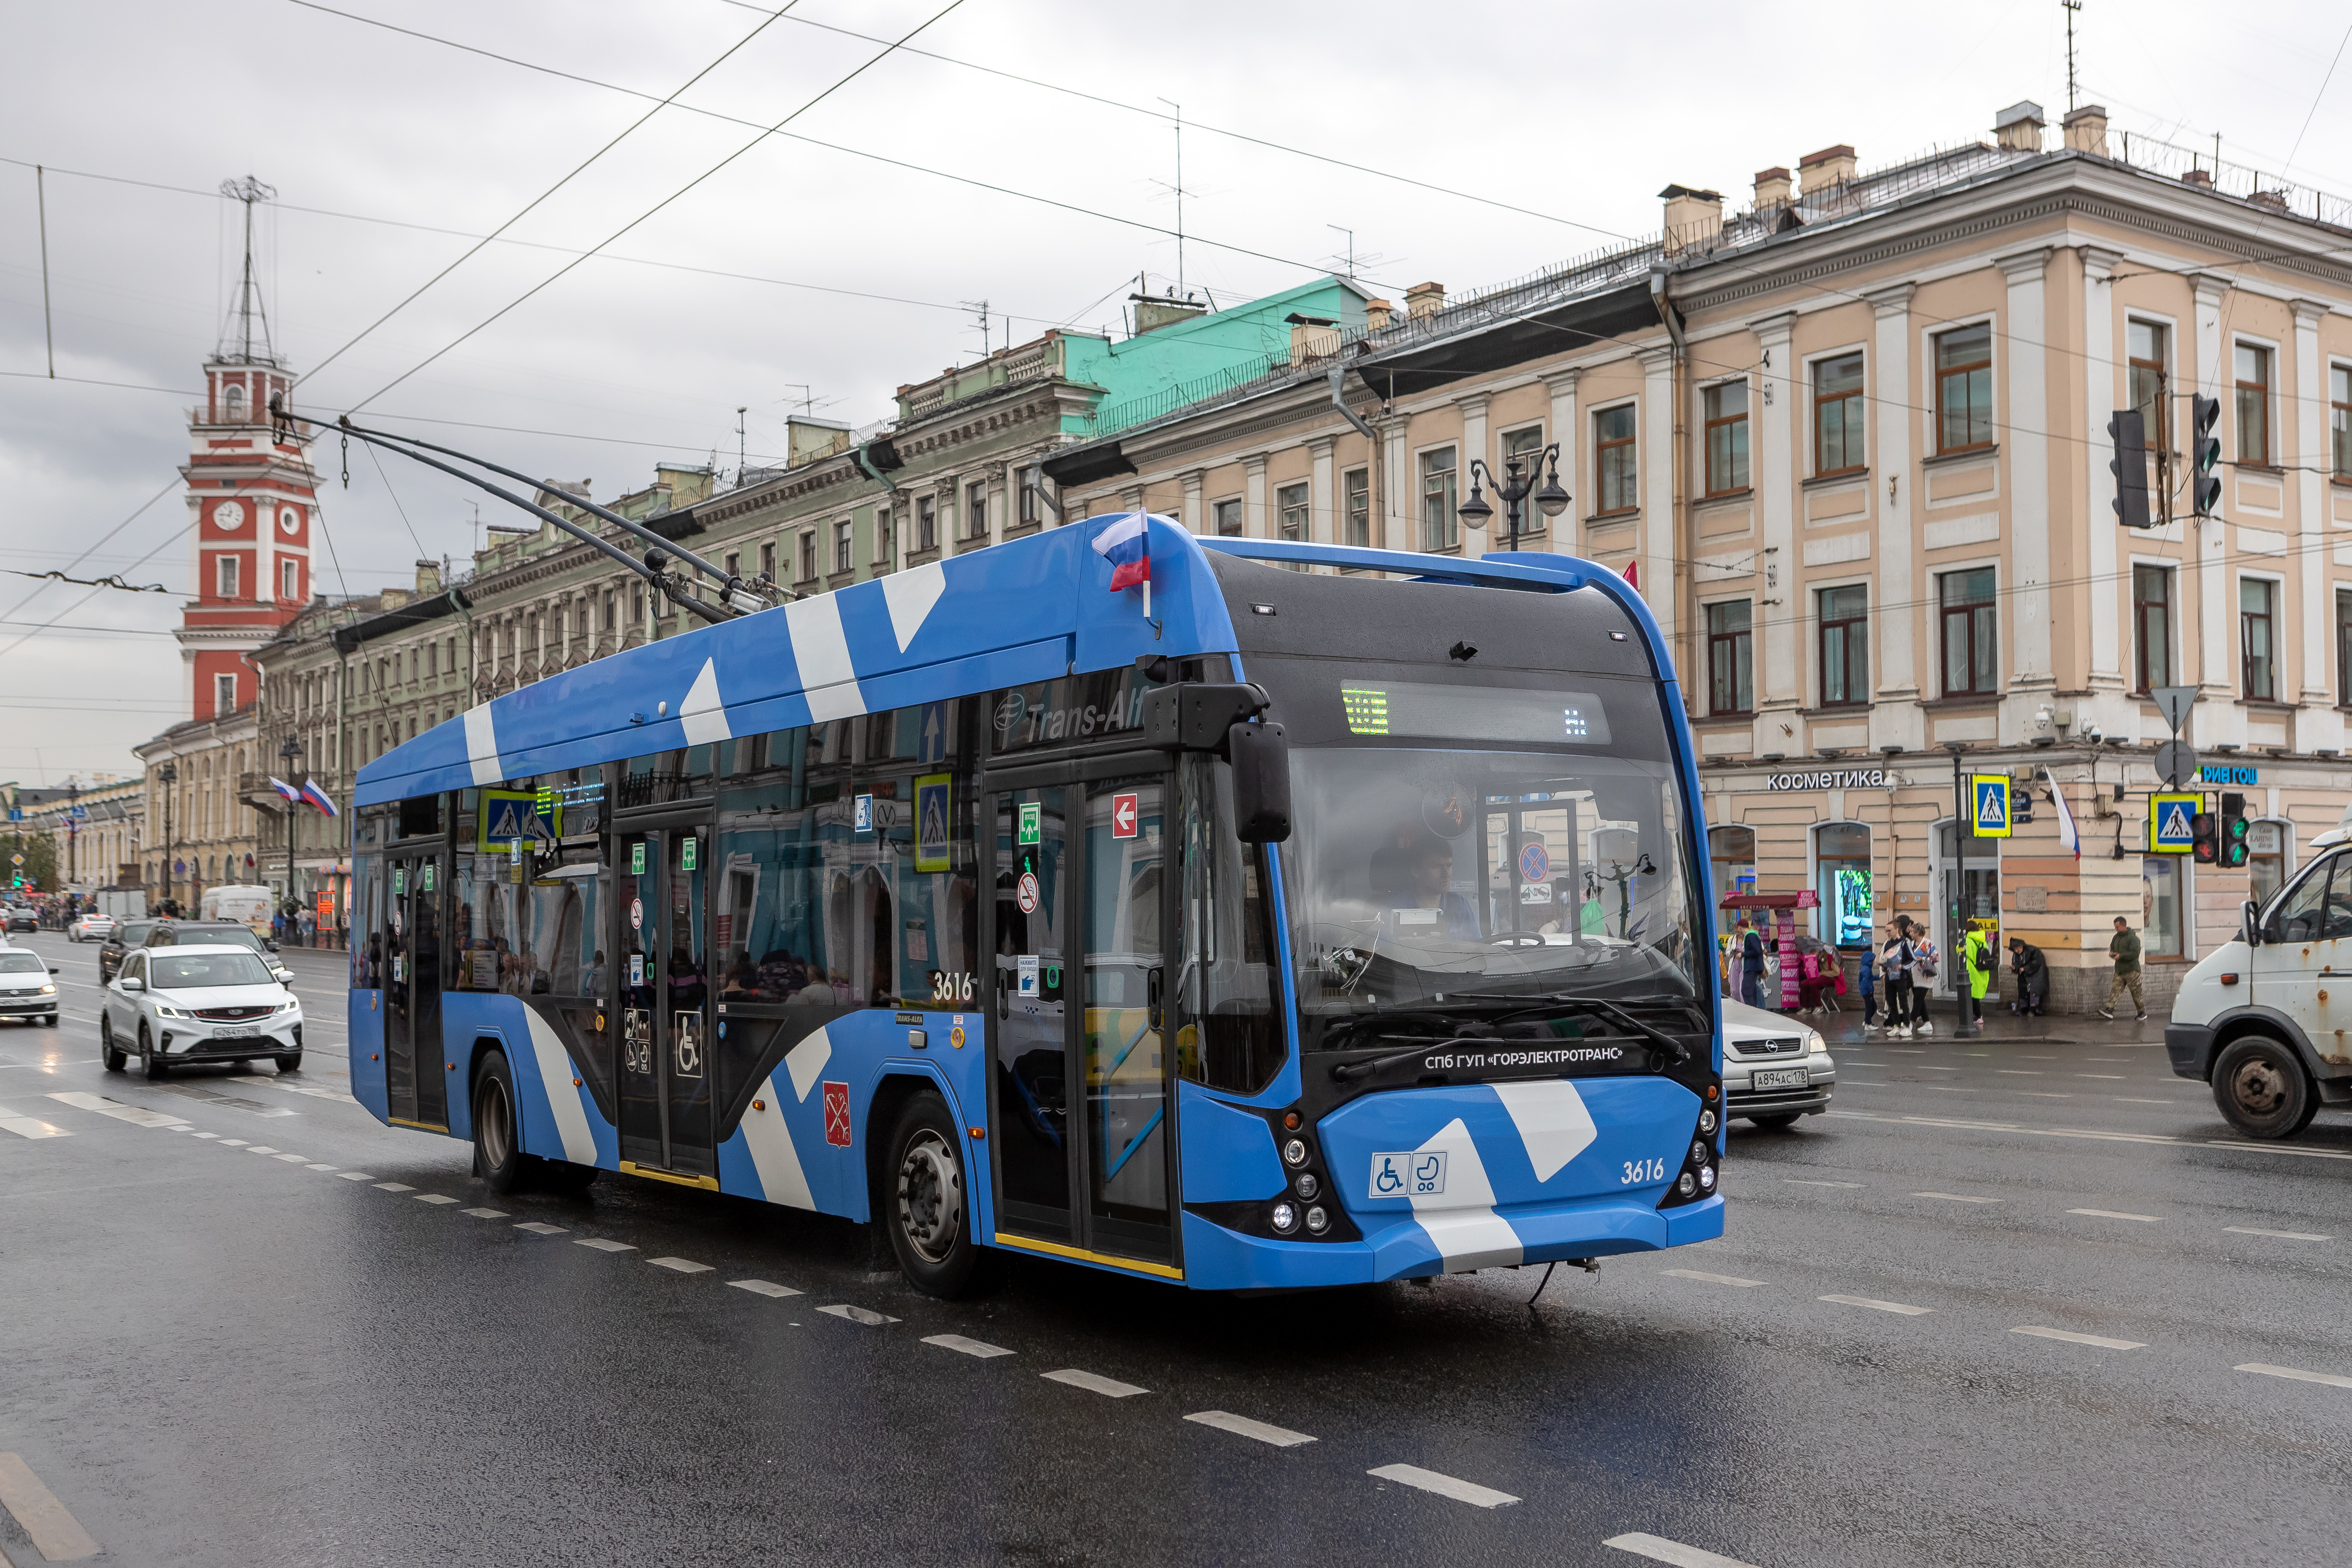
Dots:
pixel 1990 793
pixel 2172 823
pixel 510 816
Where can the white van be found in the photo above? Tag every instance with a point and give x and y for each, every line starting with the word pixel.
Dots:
pixel 2266 1019
pixel 239 902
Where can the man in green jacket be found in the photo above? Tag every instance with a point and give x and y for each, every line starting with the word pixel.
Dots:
pixel 2125 946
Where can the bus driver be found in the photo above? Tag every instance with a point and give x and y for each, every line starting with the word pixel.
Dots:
pixel 1413 872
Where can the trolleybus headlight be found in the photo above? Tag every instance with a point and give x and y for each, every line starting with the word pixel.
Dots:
pixel 1317 1222
pixel 1706 1120
pixel 1698 1154
pixel 1707 1177
pixel 1308 1185
pixel 1295 1152
pixel 1285 1217
pixel 1687 1184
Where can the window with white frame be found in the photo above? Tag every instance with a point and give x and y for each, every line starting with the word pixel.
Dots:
pixel 2252 369
pixel 2257 639
pixel 1226 516
pixel 1290 506
pixel 845 543
pixel 1527 443
pixel 1727 437
pixel 289 580
pixel 1440 485
pixel 975 509
pixel 1837 414
pixel 226 570
pixel 1356 488
pixel 1614 454
pixel 223 694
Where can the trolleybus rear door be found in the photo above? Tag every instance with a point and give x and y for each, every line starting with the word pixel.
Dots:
pixel 664 1040
pixel 1028 1024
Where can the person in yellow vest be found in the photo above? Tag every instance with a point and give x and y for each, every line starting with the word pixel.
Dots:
pixel 1976 957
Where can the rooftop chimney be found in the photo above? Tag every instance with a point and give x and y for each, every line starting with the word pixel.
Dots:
pixel 1151 314
pixel 428 579
pixel 2203 177
pixel 1424 301
pixel 1312 337
pixel 1378 314
pixel 1818 171
pixel 2087 130
pixel 1772 189
pixel 2018 127
pixel 1693 218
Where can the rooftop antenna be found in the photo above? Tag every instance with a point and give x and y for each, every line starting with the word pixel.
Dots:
pixel 477 528
pixel 979 308
pixel 1180 190
pixel 739 445
pixel 248 301
pixel 2071 6
pixel 1352 248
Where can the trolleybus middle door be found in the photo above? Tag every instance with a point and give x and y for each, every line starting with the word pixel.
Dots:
pixel 665 1037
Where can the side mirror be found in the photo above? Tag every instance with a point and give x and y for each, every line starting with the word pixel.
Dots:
pixel 134 985
pixel 55 970
pixel 2249 925
pixel 1261 757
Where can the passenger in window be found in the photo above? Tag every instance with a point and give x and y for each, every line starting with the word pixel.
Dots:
pixel 1415 870
pixel 595 980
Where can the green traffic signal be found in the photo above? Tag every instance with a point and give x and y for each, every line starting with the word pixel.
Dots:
pixel 2204 455
pixel 2235 848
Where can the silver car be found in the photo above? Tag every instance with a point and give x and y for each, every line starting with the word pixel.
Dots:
pixel 26 990
pixel 1775 1068
pixel 209 1003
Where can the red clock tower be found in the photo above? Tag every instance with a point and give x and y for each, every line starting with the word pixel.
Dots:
pixel 252 498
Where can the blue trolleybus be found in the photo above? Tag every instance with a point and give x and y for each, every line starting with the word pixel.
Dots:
pixel 1250 928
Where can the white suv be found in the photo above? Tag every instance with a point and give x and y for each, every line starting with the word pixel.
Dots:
pixel 198 1004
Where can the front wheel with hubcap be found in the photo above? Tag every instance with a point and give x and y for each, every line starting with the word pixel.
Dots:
pixel 116 1057
pixel 150 1060
pixel 499 1157
pixel 925 1203
pixel 2261 1087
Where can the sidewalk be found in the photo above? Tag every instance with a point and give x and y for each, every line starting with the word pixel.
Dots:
pixel 1999 1023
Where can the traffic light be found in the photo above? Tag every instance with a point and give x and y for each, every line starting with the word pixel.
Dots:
pixel 2129 465
pixel 2234 847
pixel 2204 455
pixel 2204 838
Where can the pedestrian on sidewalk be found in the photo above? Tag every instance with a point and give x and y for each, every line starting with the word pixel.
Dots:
pixel 2032 971
pixel 1976 968
pixel 2125 946
pixel 1925 962
pixel 1751 967
pixel 1896 959
pixel 1867 973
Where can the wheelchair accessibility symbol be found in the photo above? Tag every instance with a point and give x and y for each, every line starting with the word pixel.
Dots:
pixel 1409 1173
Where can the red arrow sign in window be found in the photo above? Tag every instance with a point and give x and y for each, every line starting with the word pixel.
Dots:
pixel 1126 810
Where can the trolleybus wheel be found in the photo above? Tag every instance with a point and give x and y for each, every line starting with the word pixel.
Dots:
pixel 2262 1088
pixel 499 1157
pixel 926 1203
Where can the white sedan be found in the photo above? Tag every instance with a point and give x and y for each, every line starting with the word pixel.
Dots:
pixel 93 927
pixel 198 1004
pixel 1776 1068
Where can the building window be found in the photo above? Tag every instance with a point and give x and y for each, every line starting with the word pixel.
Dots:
pixel 2344 649
pixel 1028 504
pixel 926 524
pixel 808 557
pixel 1968 632
pixel 1291 502
pixel 884 525
pixel 289 581
pixel 1732 852
pixel 612 615
pixel 733 563
pixel 768 562
pixel 1841 858
pixel 2151 628
pixel 975 510
pixel 1846 646
pixel 223 694
pixel 1228 518
pixel 2256 648
pixel 1440 529
pixel 1837 416
pixel 1527 443
pixel 2160 905
pixel 2267 845
pixel 1730 658
pixel 228 573
pixel 1356 484
pixel 2144 379
pixel 2339 419
pixel 2253 405
pixel 1612 443
pixel 1964 389
pixel 843 543
pixel 1727 437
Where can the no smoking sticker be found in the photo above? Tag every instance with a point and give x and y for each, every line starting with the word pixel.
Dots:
pixel 636 914
pixel 1025 892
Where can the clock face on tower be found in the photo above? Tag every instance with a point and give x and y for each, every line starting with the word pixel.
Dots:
pixel 289 521
pixel 229 516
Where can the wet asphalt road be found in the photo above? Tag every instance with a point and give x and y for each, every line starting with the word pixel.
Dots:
pixel 243 1334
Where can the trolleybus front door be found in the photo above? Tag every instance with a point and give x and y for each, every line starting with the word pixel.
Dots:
pixel 665 1067
pixel 412 995
pixel 1081 1087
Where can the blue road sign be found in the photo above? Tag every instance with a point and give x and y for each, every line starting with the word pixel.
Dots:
pixel 2172 823
pixel 1990 793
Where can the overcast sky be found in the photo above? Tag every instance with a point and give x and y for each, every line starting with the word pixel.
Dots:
pixel 823 267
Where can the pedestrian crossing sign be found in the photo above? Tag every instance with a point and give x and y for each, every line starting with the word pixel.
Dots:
pixel 2172 823
pixel 512 817
pixel 1990 793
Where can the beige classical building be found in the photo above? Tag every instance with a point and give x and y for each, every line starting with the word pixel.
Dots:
pixel 1851 443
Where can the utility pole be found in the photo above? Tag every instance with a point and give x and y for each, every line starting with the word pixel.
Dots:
pixel 1180 193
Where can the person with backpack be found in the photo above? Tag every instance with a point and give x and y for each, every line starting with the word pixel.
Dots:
pixel 2032 971
pixel 1976 968
pixel 1895 963
pixel 1924 964
pixel 1867 973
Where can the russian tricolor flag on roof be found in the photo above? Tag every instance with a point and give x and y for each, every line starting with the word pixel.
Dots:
pixel 1126 543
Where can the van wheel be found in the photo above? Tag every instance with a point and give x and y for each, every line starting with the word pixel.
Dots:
pixel 499 1157
pixel 926 1201
pixel 2261 1087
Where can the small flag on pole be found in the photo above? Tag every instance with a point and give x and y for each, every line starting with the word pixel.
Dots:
pixel 282 787
pixel 319 798
pixel 1632 573
pixel 2068 835
pixel 1127 546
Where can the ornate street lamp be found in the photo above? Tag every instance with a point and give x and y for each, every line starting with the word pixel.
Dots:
pixel 168 775
pixel 1514 487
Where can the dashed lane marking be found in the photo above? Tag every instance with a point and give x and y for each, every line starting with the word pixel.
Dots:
pixel 355 1175
pixel 2157 1138
pixel 207 1134
pixel 259 1149
pixel 963 1346
pixel 57 1534
pixel 2333 1380
pixel 2020 1072
pixel 29 1127
pixel 2282 1235
pixel 680 1265
pixel 485 1214
pixel 434 1198
pixel 2101 1341
pixel 1109 1388
pixel 1880 1306
pixel 137 1115
pixel 1710 1279
pixel 294 1159
pixel 232 1142
pixel 1658 1549
pixel 603 1244
pixel 1956 1198
pixel 316 1091
pixel 1243 1426
pixel 394 1187
pixel 2114 1214
pixel 320 1166
pixel 540 1228
pixel 2042 1094
pixel 1801 1182
pixel 870 1317
pixel 2109 1077
pixel 763 1288
pixel 1443 1486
